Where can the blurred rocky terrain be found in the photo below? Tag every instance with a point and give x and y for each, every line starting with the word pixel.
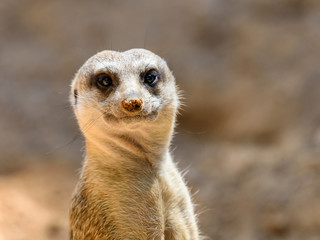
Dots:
pixel 249 133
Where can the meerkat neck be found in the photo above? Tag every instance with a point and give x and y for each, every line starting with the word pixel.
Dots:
pixel 145 142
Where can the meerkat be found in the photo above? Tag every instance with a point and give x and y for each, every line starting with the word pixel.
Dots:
pixel 129 187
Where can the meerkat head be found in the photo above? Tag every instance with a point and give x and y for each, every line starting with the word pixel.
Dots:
pixel 124 89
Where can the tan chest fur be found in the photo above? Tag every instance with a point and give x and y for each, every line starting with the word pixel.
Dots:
pixel 132 203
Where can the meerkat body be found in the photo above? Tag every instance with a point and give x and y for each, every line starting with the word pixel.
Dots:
pixel 129 187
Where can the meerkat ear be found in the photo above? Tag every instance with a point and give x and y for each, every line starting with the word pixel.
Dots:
pixel 75 94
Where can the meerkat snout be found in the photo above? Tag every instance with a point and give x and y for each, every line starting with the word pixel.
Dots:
pixel 132 104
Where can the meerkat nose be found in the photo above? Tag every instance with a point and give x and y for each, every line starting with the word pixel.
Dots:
pixel 132 104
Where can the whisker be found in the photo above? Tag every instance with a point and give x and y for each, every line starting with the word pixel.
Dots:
pixel 91 123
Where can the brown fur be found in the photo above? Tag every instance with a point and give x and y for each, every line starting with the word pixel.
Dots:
pixel 129 187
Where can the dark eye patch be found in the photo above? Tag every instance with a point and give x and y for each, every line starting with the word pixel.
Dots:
pixel 103 80
pixel 151 77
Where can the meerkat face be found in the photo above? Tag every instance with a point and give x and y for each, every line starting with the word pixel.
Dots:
pixel 129 87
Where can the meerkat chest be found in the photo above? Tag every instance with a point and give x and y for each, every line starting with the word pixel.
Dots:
pixel 135 207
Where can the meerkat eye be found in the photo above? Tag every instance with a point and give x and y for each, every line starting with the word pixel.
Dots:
pixel 104 80
pixel 151 77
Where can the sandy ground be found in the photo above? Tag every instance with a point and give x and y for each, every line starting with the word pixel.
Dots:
pixel 34 202
pixel 242 191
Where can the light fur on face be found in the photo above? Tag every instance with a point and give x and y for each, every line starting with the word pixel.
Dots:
pixel 129 187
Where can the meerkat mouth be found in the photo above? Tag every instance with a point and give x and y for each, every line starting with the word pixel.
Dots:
pixel 108 117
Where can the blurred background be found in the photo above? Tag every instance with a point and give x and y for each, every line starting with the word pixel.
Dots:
pixel 249 134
